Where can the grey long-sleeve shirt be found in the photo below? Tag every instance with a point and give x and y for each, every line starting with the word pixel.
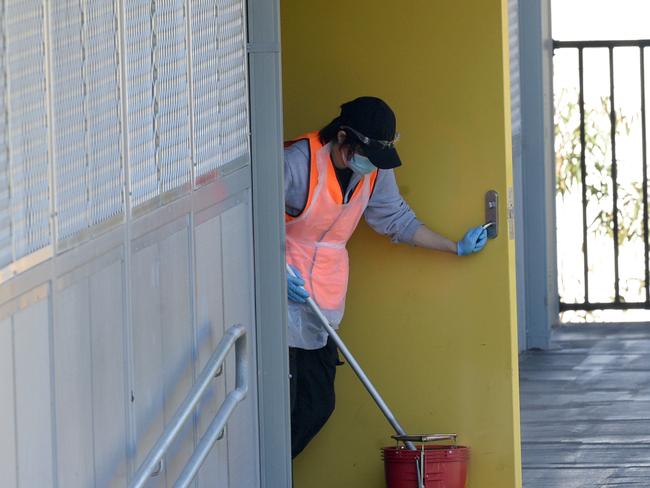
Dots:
pixel 387 212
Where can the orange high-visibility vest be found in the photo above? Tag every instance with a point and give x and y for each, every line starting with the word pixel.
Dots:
pixel 316 240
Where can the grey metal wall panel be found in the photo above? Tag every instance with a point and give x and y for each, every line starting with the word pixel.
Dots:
pixel 148 399
pixel 219 83
pixel 24 171
pixel 138 32
pixel 158 98
pixel 7 410
pixel 68 117
pixel 33 395
pixel 210 328
pixel 103 118
pixel 109 398
pixel 515 96
pixel 205 81
pixel 171 95
pixel 233 89
pixel 67 377
pixel 177 342
pixel 73 386
pixel 238 300
pixel 163 341
pixel 6 249
pixel 86 117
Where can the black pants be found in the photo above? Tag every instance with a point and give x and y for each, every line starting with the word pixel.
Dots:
pixel 312 392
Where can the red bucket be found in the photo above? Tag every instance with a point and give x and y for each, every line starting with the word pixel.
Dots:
pixel 444 466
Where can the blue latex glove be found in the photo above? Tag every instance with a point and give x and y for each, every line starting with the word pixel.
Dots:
pixel 295 287
pixel 473 241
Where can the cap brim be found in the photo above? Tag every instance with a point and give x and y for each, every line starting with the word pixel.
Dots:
pixel 383 158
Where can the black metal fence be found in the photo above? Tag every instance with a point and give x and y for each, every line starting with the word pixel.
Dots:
pixel 618 302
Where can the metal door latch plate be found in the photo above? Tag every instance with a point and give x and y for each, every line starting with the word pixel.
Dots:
pixel 492 214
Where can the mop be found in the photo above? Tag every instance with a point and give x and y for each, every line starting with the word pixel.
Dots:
pixel 401 433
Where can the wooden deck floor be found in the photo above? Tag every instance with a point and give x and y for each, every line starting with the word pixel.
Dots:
pixel 585 409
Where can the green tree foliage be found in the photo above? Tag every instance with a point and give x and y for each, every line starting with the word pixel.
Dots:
pixel 598 149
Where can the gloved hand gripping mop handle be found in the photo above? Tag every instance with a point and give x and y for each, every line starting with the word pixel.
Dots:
pixel 357 369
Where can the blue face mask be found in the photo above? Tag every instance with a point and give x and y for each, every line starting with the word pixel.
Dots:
pixel 361 165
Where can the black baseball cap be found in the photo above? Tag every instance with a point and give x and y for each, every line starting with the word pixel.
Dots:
pixel 372 122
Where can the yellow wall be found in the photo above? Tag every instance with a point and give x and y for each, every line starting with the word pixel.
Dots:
pixel 435 332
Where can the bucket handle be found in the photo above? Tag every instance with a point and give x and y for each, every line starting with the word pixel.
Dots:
pixel 425 437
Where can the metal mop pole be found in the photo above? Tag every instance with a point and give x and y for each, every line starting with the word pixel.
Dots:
pixel 357 369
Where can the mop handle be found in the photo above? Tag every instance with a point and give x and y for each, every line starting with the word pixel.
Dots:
pixel 357 369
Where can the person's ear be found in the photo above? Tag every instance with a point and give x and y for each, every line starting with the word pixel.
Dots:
pixel 341 136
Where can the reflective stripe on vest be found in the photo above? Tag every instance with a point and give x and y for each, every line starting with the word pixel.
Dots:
pixel 316 238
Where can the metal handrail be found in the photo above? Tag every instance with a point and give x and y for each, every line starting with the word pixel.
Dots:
pixel 236 335
pixel 602 43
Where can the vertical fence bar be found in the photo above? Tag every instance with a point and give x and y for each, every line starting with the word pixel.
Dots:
pixel 612 123
pixel 644 155
pixel 583 174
